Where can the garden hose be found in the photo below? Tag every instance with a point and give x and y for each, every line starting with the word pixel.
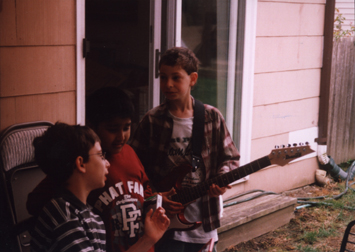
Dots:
pixel 349 176
pixel 334 170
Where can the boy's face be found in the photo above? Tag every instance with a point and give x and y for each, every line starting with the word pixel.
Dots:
pixel 96 167
pixel 175 83
pixel 114 134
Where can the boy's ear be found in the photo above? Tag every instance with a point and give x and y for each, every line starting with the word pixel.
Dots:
pixel 193 77
pixel 79 163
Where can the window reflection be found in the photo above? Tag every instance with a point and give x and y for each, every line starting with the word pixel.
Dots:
pixel 205 30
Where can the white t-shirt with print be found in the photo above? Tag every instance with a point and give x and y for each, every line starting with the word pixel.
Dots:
pixel 179 153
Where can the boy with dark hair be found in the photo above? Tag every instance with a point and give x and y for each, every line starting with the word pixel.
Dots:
pixel 72 157
pixel 162 141
pixel 120 201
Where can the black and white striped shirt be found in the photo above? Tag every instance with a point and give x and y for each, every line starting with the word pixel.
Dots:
pixel 66 224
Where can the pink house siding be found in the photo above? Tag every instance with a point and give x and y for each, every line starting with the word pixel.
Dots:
pixel 288 62
pixel 37 61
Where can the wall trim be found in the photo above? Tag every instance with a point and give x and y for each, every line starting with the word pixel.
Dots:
pixel 80 62
pixel 248 82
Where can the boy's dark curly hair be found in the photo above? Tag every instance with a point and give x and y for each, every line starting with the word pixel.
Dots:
pixel 180 56
pixel 107 103
pixel 57 149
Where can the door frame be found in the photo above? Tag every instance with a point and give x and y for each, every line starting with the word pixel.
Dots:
pixel 80 62
pixel 154 52
pixel 248 82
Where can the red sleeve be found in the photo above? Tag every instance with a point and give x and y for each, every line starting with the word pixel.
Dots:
pixel 144 178
pixel 42 193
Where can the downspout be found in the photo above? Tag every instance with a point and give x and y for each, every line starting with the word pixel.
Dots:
pixel 325 77
pixel 325 84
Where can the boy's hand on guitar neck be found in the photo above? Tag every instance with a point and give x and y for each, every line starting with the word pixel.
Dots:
pixel 215 190
pixel 171 207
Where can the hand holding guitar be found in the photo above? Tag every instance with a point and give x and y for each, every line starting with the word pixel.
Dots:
pixel 171 207
pixel 215 190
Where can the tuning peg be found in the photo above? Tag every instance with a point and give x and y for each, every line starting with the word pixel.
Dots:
pixel 289 145
pixel 294 144
pixel 301 144
pixel 307 143
pixel 276 147
pixel 283 146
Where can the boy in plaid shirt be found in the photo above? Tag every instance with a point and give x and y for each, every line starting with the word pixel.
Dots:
pixel 162 142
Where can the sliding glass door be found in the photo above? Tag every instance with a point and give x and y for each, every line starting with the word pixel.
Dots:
pixel 210 29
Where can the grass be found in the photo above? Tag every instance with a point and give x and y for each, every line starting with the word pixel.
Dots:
pixel 306 249
pixel 319 228
pixel 310 237
pixel 326 232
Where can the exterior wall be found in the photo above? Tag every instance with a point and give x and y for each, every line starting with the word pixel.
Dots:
pixel 347 9
pixel 37 80
pixel 288 62
pixel 37 61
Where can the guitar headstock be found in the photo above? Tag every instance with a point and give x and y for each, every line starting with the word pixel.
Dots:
pixel 283 155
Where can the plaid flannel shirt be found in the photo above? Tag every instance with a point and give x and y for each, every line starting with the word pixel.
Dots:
pixel 219 154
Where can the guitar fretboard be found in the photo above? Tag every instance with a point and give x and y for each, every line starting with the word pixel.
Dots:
pixel 190 194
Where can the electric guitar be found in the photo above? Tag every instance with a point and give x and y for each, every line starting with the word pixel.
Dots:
pixel 278 156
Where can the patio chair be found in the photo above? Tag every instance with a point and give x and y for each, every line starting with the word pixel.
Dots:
pixel 19 176
pixel 348 238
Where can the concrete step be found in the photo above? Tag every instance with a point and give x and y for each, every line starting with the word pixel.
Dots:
pixel 247 220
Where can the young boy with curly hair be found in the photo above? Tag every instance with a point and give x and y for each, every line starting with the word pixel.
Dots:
pixel 162 141
pixel 72 157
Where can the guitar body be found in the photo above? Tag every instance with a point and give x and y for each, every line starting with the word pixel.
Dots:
pixel 178 222
pixel 173 179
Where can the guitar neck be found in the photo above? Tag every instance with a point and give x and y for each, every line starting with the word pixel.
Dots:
pixel 190 194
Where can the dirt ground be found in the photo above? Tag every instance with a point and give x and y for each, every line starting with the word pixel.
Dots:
pixel 314 228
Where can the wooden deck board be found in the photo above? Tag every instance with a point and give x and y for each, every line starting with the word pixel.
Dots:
pixel 247 220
